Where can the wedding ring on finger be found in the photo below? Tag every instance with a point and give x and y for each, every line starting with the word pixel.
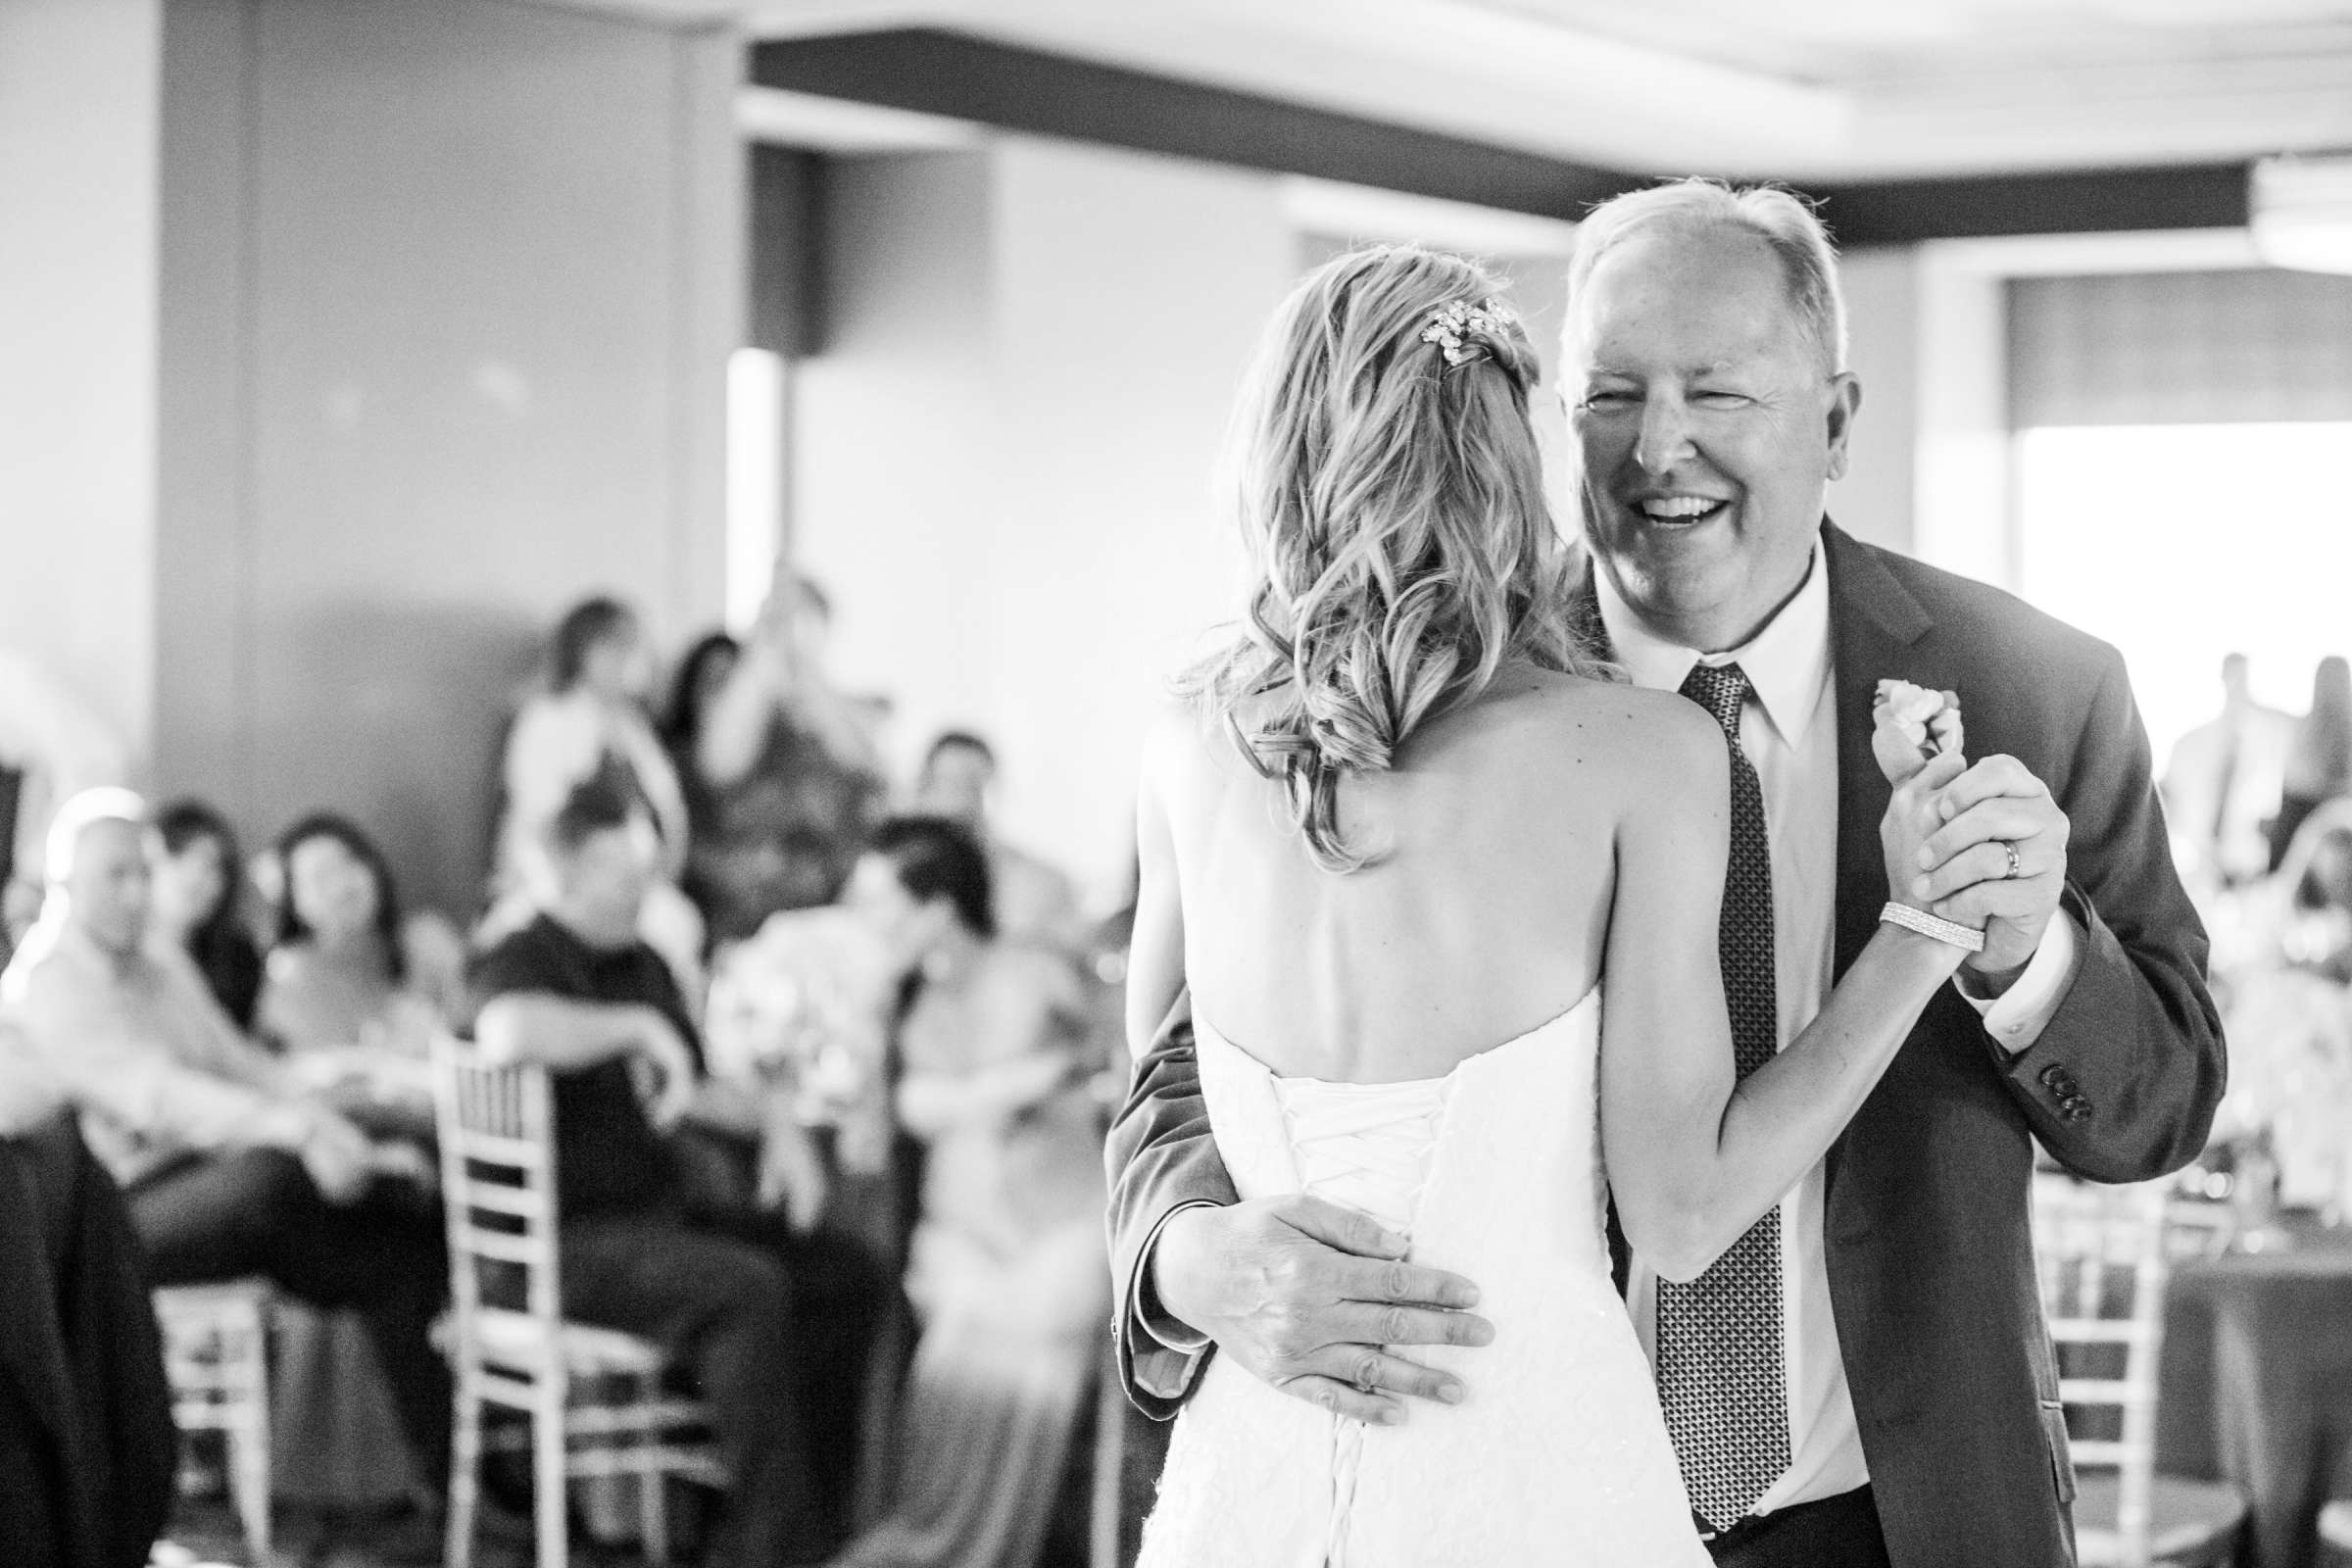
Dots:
pixel 2016 862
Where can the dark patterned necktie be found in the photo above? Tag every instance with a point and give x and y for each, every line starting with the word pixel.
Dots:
pixel 1720 1375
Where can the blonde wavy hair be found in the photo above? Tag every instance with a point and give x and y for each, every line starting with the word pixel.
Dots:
pixel 1393 503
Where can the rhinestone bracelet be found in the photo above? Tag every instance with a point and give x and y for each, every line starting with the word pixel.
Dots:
pixel 1929 925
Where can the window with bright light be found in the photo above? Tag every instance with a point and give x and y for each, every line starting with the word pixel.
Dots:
pixel 2183 543
pixel 755 480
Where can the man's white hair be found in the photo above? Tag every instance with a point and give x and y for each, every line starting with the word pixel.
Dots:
pixel 1779 219
pixel 78 816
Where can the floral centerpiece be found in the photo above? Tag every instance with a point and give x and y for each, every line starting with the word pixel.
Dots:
pixel 804 1005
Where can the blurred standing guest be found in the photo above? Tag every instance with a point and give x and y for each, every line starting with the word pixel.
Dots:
pixel 1005 1270
pixel 2319 760
pixel 337 1001
pixel 195 865
pixel 794 776
pixel 226 1171
pixel 769 1317
pixel 1035 901
pixel 2221 782
pixel 590 719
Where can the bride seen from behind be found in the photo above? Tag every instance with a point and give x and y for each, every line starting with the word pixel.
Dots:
pixel 1401 837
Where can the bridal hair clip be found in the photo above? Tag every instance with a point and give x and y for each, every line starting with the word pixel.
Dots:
pixel 1465 330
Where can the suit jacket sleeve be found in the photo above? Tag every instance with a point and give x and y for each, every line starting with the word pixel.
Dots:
pixel 1161 1156
pixel 2135 1043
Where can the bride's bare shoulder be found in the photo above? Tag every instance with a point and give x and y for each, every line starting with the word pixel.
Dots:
pixel 1646 738
pixel 1184 742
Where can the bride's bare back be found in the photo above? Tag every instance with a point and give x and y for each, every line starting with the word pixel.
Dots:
pixel 1486 913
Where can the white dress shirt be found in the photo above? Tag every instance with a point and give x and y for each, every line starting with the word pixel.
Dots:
pixel 1789 734
pixel 139 1044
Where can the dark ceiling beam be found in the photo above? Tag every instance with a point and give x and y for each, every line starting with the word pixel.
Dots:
pixel 1000 85
pixel 1898 212
pixel 1054 95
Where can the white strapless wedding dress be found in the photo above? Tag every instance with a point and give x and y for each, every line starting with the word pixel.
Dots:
pixel 1559 1456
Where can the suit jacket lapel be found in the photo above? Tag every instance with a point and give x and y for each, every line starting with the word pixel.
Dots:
pixel 1874 621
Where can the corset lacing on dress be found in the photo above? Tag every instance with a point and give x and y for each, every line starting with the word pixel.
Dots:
pixel 1366 1147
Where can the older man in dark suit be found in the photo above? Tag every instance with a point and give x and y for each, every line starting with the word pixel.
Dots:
pixel 1883 1391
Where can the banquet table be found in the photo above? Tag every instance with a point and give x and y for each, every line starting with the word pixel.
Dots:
pixel 2255 1384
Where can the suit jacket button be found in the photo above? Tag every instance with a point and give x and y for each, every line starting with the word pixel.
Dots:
pixel 2076 1108
pixel 2053 1076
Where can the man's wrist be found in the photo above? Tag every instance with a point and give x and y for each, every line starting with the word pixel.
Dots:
pixel 1984 983
pixel 1150 1303
pixel 2030 995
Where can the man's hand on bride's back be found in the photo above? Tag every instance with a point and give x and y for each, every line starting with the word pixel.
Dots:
pixel 1311 1298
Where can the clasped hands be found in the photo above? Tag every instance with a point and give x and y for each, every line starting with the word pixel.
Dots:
pixel 1315 1298
pixel 1965 871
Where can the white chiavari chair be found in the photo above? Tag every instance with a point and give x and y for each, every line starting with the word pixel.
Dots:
pixel 496 1129
pixel 216 1358
pixel 2104 1255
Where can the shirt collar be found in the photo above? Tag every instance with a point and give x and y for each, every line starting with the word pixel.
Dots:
pixel 1787 662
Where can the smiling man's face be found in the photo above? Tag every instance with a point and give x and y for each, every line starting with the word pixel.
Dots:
pixel 1708 427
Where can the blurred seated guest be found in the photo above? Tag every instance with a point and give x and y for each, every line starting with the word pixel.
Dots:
pixel 227 1170
pixel 2319 758
pixel 1007 1270
pixel 792 770
pixel 589 721
pixel 88 1451
pixel 337 1003
pixel 768 1317
pixel 701 676
pixel 2221 783
pixel 197 873
pixel 433 953
pixel 1035 901
pixel 338 1006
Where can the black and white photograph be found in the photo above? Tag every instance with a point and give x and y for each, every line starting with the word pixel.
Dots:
pixel 1175 784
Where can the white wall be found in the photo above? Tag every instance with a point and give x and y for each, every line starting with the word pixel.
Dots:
pixel 1877 499
pixel 79 181
pixel 1002 452
pixel 448 291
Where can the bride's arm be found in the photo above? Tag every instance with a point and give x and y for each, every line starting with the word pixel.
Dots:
pixel 1696 1157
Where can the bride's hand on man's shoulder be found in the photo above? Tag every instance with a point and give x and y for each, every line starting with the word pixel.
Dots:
pixel 1311 1297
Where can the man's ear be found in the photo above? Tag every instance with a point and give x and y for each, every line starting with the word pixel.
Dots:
pixel 1846 401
